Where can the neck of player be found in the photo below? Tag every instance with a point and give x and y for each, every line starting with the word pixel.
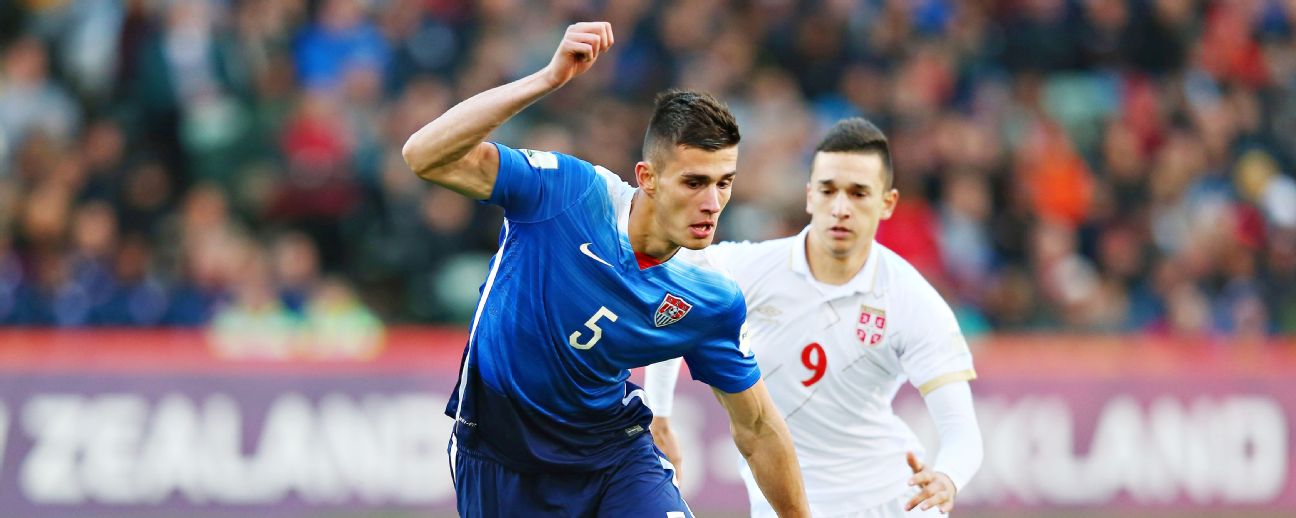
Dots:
pixel 646 236
pixel 834 268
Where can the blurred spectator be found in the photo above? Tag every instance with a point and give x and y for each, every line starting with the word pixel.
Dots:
pixel 185 90
pixel 320 187
pixel 1281 294
pixel 966 250
pixel 143 198
pixel 206 244
pixel 30 102
pixel 84 34
pixel 140 297
pixel 104 153
pixel 254 323
pixel 341 41
pixel 1260 182
pixel 94 248
pixel 11 282
pixel 335 324
pixel 1058 179
pixel 296 269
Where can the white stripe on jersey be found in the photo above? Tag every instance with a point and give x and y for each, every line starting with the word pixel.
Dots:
pixel 636 393
pixel 463 375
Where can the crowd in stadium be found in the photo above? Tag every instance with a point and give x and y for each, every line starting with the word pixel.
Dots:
pixel 1088 165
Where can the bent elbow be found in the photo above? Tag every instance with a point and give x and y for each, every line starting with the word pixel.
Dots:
pixel 409 152
pixel 422 166
pixel 746 438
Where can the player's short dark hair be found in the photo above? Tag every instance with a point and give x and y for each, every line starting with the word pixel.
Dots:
pixel 858 135
pixel 691 119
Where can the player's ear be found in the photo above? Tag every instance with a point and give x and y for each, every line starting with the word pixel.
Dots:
pixel 889 202
pixel 808 210
pixel 646 177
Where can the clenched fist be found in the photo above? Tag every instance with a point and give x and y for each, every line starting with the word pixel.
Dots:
pixel 580 48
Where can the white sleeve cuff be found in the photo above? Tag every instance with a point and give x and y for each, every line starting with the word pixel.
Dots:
pixel 950 406
pixel 659 386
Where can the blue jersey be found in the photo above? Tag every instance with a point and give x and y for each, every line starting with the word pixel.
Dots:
pixel 565 312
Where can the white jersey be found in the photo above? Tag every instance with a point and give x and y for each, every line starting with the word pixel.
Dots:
pixel 833 358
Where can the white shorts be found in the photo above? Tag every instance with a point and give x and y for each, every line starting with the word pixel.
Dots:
pixel 892 509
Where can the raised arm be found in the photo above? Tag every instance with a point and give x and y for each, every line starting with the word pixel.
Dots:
pixel 763 439
pixel 450 151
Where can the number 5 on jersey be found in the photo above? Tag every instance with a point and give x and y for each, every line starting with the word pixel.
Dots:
pixel 592 324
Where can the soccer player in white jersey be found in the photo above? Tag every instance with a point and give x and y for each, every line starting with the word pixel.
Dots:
pixel 593 278
pixel 837 322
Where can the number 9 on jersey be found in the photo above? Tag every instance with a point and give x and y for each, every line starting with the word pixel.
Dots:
pixel 813 358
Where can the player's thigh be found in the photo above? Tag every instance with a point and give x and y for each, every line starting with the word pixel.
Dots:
pixel 643 485
pixel 486 489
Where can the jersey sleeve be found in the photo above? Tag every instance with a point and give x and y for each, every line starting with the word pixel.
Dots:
pixel 724 361
pixel 934 352
pixel 727 255
pixel 618 190
pixel 537 185
pixel 961 449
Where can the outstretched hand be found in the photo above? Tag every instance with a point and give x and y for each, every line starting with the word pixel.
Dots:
pixel 580 48
pixel 936 489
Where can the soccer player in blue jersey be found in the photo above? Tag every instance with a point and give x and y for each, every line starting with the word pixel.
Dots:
pixel 593 278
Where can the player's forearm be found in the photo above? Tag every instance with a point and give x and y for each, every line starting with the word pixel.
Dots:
pixel 659 386
pixel 961 450
pixel 660 426
pixel 665 440
pixel 450 137
pixel 766 444
pixel 767 447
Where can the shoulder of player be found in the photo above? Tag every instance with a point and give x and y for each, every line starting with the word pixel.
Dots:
pixel 700 266
pixel 704 277
pixel 905 285
pixel 561 162
pixel 740 259
pixel 616 186
pixel 756 251
pixel 598 179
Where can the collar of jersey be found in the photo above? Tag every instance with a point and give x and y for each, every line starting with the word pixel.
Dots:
pixel 864 281
pixel 677 263
pixel 627 258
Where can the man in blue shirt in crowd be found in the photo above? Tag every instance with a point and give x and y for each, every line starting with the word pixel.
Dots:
pixel 593 278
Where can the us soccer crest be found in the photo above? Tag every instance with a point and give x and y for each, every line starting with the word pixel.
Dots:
pixel 671 310
pixel 871 326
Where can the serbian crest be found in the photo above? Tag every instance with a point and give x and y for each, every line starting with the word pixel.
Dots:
pixel 671 310
pixel 871 326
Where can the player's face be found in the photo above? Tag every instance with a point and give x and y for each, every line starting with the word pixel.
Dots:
pixel 691 187
pixel 846 199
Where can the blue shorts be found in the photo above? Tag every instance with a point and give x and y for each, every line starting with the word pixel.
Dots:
pixel 641 485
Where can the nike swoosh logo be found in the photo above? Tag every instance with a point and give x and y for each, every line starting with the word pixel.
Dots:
pixel 585 250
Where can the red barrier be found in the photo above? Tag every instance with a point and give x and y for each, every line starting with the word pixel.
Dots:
pixel 415 349
pixel 405 349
